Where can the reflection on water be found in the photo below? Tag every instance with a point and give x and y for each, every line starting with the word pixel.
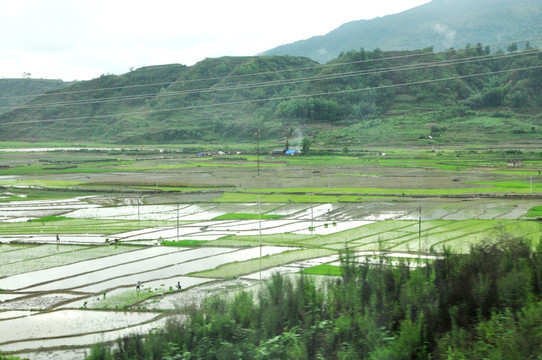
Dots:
pixel 68 322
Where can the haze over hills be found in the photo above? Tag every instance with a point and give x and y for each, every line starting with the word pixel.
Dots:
pixel 441 24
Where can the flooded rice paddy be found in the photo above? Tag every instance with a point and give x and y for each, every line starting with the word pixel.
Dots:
pixel 82 288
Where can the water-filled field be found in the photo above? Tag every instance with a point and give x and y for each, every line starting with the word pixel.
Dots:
pixel 73 262
pixel 88 288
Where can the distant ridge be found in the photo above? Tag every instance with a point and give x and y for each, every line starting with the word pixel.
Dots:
pixel 441 24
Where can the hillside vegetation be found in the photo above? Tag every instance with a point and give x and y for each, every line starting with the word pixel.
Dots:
pixel 15 92
pixel 361 98
pixel 441 23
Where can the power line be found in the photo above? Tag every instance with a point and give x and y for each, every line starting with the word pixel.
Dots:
pixel 415 54
pixel 421 82
pixel 282 82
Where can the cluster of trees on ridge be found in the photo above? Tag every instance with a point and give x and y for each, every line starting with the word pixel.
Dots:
pixel 483 305
pixel 230 98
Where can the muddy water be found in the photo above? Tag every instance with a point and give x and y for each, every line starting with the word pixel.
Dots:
pixel 267 273
pixel 197 264
pixel 32 278
pixel 195 260
pixel 106 333
pixel 321 229
pixel 164 286
pixel 148 212
pixel 34 252
pixel 55 354
pixel 194 296
pixel 14 314
pixel 159 280
pixel 158 233
pixel 316 211
pixel 289 209
pixel 214 230
pixel 123 270
pixel 37 301
pixel 32 209
pixel 239 255
pixel 68 322
pixel 207 236
pixel 6 297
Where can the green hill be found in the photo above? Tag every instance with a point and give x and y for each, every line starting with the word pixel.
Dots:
pixel 361 98
pixel 440 23
pixel 15 92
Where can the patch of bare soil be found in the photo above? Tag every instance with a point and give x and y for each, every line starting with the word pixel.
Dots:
pixel 36 302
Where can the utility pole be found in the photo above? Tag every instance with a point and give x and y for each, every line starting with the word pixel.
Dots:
pixel 258 139
pixel 138 226
pixel 177 221
pixel 420 234
pixel 260 227
pixel 312 217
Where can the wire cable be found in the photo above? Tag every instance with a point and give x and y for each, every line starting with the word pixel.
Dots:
pixel 331 64
pixel 421 82
pixel 282 82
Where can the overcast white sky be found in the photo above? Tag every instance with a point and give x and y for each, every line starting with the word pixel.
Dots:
pixel 83 39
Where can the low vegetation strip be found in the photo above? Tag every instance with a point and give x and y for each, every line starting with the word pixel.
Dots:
pixel 244 216
pixel 250 266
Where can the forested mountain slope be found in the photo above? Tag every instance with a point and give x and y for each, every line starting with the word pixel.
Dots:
pixel 440 23
pixel 14 92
